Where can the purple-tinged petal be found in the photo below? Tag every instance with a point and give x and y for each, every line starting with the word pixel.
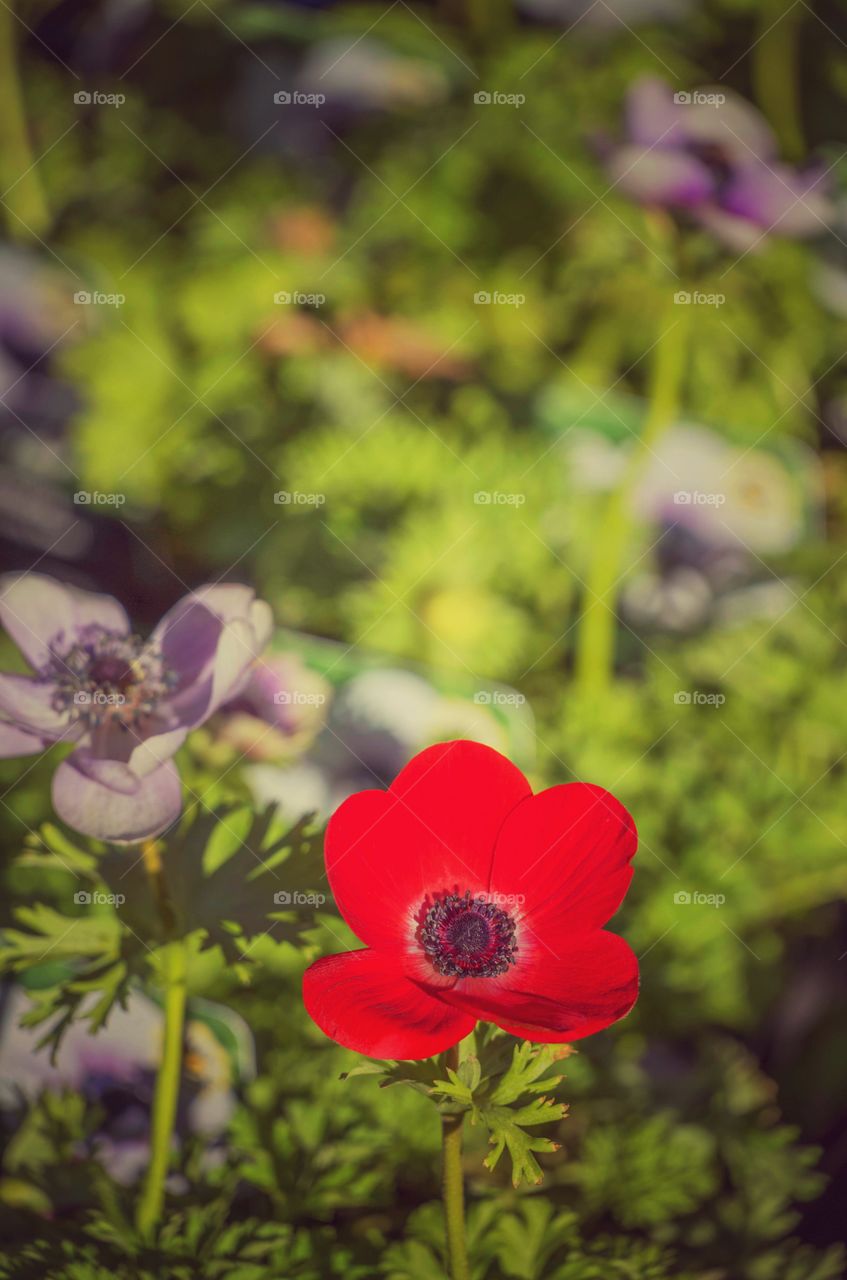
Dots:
pixel 188 637
pixel 660 177
pixel 231 601
pixel 143 744
pixel 41 614
pixel 653 119
pixel 237 651
pixel 157 749
pixel 17 742
pixel 737 234
pixel 106 800
pixel 210 639
pixel 281 690
pixel 727 122
pixel 779 199
pixel 28 701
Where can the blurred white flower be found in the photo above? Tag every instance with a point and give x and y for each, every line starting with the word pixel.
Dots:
pixel 368 75
pixel 596 464
pixel 726 495
pixel 297 789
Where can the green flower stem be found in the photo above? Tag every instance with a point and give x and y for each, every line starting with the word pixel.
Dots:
pixel 775 73
pixel 27 215
pixel 453 1185
pixel 595 641
pixel 487 17
pixel 481 18
pixel 169 1074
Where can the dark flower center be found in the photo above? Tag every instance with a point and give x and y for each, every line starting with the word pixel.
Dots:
pixel 467 937
pixel 105 678
pixel 716 159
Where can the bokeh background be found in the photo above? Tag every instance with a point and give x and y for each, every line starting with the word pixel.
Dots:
pixel 347 301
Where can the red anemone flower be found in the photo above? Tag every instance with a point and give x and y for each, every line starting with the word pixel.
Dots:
pixel 475 900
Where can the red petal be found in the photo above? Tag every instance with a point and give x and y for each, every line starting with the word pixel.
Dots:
pixel 362 1000
pixel 564 856
pixel 433 830
pixel 590 983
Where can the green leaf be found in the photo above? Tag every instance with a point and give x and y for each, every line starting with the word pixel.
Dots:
pixel 529 1063
pixel 496 1091
pixel 507 1128
pixel 47 932
pixel 230 876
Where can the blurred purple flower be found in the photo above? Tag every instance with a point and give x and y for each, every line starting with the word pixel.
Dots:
pixel 711 155
pixel 615 15
pixel 127 703
pixel 116 1072
pixel 278 711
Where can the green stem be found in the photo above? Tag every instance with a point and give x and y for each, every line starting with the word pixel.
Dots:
pixel 775 73
pixel 595 641
pixel 481 18
pixel 453 1185
pixel 166 1094
pixel 20 187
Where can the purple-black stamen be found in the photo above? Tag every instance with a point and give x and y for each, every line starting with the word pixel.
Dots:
pixel 467 937
pixel 106 678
